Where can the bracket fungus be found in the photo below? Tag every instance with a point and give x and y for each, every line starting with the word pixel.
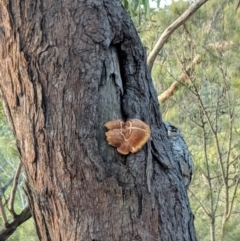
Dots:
pixel 129 136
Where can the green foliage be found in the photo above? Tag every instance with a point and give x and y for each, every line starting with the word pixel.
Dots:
pixel 139 10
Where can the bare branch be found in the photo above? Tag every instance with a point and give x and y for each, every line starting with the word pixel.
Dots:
pixel 8 230
pixel 4 217
pixel 14 189
pixel 200 203
pixel 3 189
pixel 237 6
pixel 183 78
pixel 233 198
pixel 170 29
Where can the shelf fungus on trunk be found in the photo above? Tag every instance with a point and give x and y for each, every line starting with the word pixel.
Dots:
pixel 129 136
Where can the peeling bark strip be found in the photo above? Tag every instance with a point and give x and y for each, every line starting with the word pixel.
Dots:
pixel 66 68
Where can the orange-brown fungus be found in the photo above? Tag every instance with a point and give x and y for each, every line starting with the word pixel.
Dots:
pixel 127 137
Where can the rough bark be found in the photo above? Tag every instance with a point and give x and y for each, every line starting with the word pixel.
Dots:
pixel 66 68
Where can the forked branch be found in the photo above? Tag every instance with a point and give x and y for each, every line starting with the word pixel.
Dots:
pixel 183 78
pixel 170 29
pixel 8 230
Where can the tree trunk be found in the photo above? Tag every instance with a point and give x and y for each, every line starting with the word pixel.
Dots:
pixel 66 68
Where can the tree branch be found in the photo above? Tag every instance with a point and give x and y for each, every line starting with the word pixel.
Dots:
pixel 183 78
pixel 200 203
pixel 170 29
pixel 8 230
pixel 237 6
pixel 3 189
pixel 14 189
pixel 2 211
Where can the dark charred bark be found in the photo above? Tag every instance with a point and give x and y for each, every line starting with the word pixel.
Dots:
pixel 66 68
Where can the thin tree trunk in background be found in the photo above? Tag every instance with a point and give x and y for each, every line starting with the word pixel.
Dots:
pixel 66 68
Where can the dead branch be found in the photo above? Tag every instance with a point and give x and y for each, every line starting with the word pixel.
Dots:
pixel 170 29
pixel 183 78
